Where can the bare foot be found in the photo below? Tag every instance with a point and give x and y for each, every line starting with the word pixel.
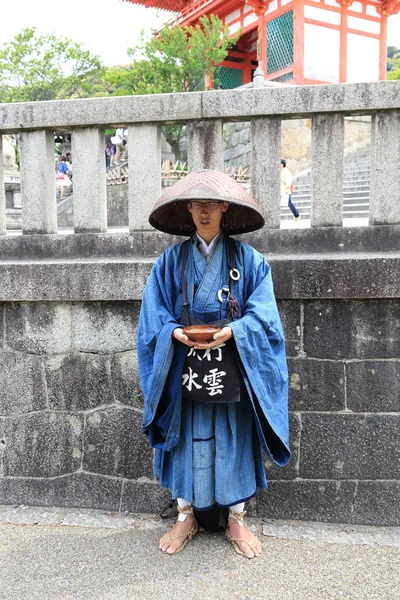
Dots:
pixel 251 546
pixel 177 537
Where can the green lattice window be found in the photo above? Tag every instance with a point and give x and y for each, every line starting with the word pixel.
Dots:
pixel 227 78
pixel 283 78
pixel 280 42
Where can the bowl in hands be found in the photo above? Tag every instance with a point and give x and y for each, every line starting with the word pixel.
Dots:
pixel 201 333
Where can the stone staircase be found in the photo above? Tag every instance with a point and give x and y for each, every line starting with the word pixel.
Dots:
pixel 356 186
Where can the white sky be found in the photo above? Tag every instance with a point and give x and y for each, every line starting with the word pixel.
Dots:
pixel 106 27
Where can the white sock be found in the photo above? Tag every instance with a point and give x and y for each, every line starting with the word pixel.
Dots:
pixel 236 508
pixel 183 503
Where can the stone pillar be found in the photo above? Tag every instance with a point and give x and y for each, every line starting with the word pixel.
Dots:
pixel 265 168
pixel 38 182
pixel 327 170
pixel 384 204
pixel 89 177
pixel 2 194
pixel 144 173
pixel 205 145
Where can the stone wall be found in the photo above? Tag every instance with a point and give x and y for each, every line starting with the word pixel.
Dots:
pixel 71 405
pixel 295 141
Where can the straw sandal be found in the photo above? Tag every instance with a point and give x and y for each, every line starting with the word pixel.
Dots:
pixel 239 518
pixel 187 536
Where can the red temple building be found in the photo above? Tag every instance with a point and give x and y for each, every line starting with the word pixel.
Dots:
pixel 296 41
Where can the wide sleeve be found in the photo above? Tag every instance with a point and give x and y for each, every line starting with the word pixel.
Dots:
pixel 154 341
pixel 260 343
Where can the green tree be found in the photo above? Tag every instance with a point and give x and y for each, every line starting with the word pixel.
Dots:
pixel 395 72
pixel 393 56
pixel 391 50
pixel 179 59
pixel 45 67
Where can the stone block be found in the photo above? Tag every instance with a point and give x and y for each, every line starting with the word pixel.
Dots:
pixel 316 385
pixel 102 111
pixel 343 278
pixel 244 136
pixel 77 381
pixel 340 329
pixel 144 173
pixel 41 327
pixel 90 200
pixel 22 384
pixel 377 503
pixel 290 471
pixel 115 444
pixel 42 445
pixel 329 501
pixel 2 444
pixel 83 490
pixel 234 140
pixel 145 497
pixel 105 326
pixel 70 281
pixel 349 446
pixel 125 379
pixel 2 311
pixel 155 242
pixel 243 103
pixel 290 137
pixel 304 136
pixel 84 245
pixel 373 386
pixel 343 240
pixel 289 312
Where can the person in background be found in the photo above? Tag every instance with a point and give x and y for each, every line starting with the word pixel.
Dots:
pixel 110 152
pixel 286 190
pixel 121 143
pixel 68 160
pixel 63 179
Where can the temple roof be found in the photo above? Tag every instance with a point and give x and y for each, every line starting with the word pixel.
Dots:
pixel 184 7
pixel 170 5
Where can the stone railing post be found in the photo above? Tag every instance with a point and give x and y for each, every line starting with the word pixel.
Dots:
pixel 38 182
pixel 205 145
pixel 89 176
pixel 2 194
pixel 327 170
pixel 384 201
pixel 144 188
pixel 265 168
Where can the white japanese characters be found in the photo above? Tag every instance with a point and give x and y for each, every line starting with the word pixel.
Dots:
pixel 213 379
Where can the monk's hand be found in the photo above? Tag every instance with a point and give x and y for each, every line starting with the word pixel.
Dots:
pixel 178 334
pixel 218 338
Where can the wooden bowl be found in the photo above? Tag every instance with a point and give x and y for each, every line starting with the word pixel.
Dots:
pixel 201 333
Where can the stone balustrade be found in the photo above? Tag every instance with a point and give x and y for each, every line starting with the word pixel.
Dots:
pixel 204 113
pixel 70 401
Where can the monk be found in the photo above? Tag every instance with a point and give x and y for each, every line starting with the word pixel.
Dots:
pixel 212 407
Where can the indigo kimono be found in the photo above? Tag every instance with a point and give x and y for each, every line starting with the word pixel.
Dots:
pixel 212 453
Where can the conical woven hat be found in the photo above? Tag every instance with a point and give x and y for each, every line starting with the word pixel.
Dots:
pixel 170 213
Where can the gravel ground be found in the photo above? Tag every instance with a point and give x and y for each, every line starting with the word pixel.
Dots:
pixel 119 559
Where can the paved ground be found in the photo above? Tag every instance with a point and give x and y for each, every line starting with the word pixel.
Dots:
pixel 56 554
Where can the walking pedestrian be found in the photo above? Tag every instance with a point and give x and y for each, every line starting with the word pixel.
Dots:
pixel 286 190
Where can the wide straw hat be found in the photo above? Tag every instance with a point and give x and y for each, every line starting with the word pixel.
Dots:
pixel 170 213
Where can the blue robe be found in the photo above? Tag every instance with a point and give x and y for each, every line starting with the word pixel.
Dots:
pixel 212 453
